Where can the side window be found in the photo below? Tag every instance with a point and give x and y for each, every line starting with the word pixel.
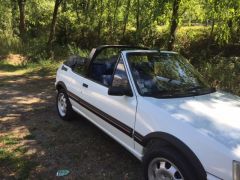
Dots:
pixel 77 64
pixel 79 69
pixel 103 66
pixel 120 78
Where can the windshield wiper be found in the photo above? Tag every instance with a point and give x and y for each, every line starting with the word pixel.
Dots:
pixel 195 88
pixel 198 90
pixel 165 93
pixel 194 91
pixel 176 95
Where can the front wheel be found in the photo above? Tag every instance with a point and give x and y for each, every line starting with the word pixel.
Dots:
pixel 64 106
pixel 164 163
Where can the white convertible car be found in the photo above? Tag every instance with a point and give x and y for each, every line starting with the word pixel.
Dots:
pixel 158 107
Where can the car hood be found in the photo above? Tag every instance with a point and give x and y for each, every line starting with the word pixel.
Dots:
pixel 217 115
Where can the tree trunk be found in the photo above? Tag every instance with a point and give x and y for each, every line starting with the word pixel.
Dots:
pixel 114 16
pixel 99 28
pixel 113 22
pixel 138 21
pixel 174 24
pixel 15 24
pixel 53 25
pixel 210 39
pixel 22 25
pixel 212 28
pixel 125 21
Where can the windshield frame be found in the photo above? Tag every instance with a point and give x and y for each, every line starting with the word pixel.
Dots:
pixel 162 96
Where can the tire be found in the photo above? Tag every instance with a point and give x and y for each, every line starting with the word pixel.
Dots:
pixel 62 101
pixel 167 162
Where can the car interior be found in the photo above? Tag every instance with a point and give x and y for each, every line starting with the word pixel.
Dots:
pixel 102 70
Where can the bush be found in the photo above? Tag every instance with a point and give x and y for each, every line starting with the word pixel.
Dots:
pixel 10 44
pixel 223 72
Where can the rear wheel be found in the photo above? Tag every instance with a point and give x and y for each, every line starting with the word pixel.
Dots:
pixel 64 106
pixel 165 163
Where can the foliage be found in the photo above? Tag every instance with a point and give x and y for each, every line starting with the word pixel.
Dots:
pixel 44 67
pixel 225 18
pixel 74 50
pixel 217 73
pixel 88 23
pixel 204 28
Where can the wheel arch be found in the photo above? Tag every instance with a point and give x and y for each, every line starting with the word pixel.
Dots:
pixel 177 144
pixel 61 85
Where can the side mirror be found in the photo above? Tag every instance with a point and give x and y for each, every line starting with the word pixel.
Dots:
pixel 119 91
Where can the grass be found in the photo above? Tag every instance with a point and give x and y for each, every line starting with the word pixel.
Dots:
pixel 8 140
pixel 9 67
pixel 13 159
pixel 9 43
pixel 41 68
pixel 14 162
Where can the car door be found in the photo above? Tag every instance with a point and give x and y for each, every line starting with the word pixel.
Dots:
pixel 113 114
pixel 75 80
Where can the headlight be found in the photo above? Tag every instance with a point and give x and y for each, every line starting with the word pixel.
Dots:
pixel 236 170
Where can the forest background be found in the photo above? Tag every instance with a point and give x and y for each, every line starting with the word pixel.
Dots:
pixel 207 32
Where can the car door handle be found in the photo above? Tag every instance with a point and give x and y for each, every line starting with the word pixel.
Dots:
pixel 85 85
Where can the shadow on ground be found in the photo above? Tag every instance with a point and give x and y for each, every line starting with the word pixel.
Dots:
pixel 10 67
pixel 35 143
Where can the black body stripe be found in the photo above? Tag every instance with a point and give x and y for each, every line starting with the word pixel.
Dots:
pixel 143 140
pixel 111 120
pixel 138 138
pixel 114 122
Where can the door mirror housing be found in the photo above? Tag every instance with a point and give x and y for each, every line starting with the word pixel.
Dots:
pixel 120 91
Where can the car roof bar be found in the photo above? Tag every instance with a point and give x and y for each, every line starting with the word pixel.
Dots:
pixel 96 51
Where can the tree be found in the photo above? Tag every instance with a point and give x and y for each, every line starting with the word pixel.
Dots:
pixel 125 21
pixel 174 24
pixel 87 23
pixel 100 21
pixel 53 25
pixel 22 24
pixel 138 29
pixel 114 24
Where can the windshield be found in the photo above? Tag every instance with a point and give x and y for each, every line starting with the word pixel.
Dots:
pixel 166 75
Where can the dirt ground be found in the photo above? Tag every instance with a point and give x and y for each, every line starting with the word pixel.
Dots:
pixel 35 143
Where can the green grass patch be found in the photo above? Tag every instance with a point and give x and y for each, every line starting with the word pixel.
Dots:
pixel 20 149
pixel 10 44
pixel 14 160
pixel 8 140
pixel 17 164
pixel 4 66
pixel 41 68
